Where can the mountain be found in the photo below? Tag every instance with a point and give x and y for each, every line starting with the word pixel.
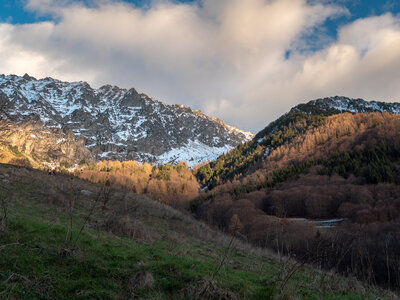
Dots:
pixel 116 123
pixel 247 158
pixel 321 183
pixel 329 106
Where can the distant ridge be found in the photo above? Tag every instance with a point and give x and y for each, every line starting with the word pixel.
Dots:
pixel 333 105
pixel 340 104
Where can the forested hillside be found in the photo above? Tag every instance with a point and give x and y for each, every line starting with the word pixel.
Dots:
pixel 248 157
pixel 343 167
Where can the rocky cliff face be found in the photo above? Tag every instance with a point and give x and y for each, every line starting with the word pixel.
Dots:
pixel 38 145
pixel 115 123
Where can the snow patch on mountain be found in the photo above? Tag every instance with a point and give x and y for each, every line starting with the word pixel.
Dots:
pixel 194 152
pixel 344 104
pixel 118 123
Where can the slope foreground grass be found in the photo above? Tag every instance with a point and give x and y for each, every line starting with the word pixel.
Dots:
pixel 132 247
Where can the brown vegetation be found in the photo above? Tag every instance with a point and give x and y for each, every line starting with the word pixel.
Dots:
pixel 338 133
pixel 365 244
pixel 144 220
pixel 173 185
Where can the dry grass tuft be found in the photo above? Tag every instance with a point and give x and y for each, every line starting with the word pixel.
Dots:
pixel 207 289
pixel 140 280
pixel 125 226
pixel 56 197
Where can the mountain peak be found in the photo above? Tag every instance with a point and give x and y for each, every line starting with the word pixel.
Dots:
pixel 27 77
pixel 117 123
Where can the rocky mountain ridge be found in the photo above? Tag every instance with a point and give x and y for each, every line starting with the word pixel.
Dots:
pixel 340 104
pixel 116 123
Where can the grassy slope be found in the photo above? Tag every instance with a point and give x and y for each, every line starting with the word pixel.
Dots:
pixel 172 257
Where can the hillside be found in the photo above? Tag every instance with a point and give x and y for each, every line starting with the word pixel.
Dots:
pixel 115 123
pixel 330 179
pixel 174 185
pixel 318 190
pixel 133 247
pixel 247 158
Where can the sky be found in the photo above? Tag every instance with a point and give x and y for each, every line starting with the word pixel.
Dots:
pixel 243 61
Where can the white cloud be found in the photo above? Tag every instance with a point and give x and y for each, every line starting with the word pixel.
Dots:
pixel 226 57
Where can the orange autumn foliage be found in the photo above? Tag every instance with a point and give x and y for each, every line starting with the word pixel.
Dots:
pixel 173 185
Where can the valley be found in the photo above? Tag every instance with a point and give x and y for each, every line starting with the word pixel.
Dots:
pixel 315 194
pixel 69 238
pixel 199 150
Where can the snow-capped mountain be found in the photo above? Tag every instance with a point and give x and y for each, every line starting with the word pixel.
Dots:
pixel 117 123
pixel 338 104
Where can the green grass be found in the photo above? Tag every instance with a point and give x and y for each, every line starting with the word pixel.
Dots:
pixel 36 262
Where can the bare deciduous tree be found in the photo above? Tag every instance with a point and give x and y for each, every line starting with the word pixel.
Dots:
pixel 3 208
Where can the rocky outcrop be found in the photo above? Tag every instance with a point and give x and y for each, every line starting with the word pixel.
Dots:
pixel 43 145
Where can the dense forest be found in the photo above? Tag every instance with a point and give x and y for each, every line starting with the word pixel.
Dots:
pixel 247 157
pixel 337 134
pixel 344 167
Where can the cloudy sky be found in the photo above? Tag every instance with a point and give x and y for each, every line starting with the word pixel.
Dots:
pixel 244 61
